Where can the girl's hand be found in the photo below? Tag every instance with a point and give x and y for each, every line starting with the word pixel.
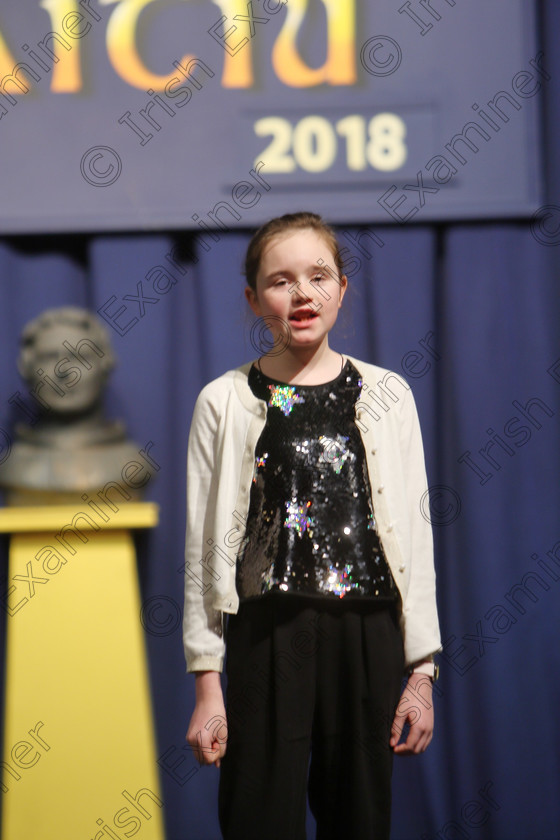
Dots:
pixel 207 732
pixel 415 708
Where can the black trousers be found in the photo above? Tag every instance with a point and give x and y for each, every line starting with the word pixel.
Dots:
pixel 312 687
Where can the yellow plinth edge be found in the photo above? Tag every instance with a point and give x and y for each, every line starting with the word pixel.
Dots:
pixel 80 757
pixel 89 515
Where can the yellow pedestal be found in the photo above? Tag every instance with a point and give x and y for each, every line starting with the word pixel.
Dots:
pixel 79 749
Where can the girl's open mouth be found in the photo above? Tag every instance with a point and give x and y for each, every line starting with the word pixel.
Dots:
pixel 303 317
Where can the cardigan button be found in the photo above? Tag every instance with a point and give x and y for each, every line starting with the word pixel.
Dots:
pixel 402 568
pixel 389 528
pixel 381 488
pixel 373 451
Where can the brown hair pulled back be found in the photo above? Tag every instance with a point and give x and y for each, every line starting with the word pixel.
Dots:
pixel 284 224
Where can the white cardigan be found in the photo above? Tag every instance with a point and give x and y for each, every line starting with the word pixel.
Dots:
pixel 227 422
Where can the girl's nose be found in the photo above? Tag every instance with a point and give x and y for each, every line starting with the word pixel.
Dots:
pixel 302 291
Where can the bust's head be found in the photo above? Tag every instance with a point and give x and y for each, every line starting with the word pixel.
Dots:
pixel 66 358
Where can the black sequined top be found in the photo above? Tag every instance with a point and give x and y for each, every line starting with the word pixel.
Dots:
pixel 311 527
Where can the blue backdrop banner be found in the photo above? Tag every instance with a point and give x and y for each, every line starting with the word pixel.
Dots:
pixel 147 114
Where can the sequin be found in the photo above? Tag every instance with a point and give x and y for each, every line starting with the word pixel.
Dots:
pixel 268 579
pixel 311 523
pixel 260 461
pixel 335 452
pixel 297 517
pixel 301 446
pixel 284 397
pixel 340 580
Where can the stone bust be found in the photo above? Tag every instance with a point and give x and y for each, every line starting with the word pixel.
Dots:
pixel 68 446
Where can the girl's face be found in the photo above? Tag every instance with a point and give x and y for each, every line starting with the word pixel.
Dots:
pixel 298 284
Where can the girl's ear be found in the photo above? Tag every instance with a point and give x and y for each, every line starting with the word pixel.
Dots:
pixel 343 285
pixel 252 299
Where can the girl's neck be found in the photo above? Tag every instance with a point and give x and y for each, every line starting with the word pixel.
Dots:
pixel 315 369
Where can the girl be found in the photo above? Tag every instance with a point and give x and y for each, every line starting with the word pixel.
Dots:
pixel 304 483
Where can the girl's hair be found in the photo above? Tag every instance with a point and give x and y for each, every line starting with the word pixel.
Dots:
pixel 285 224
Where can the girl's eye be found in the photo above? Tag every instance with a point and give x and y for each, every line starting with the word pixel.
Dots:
pixel 318 277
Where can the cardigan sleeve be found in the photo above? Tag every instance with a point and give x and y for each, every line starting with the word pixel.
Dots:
pixel 202 624
pixel 421 626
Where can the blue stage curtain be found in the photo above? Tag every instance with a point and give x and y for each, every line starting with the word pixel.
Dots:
pixel 469 314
